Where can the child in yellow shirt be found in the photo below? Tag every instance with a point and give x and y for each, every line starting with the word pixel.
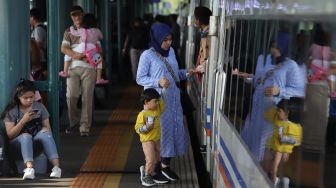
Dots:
pixel 148 127
pixel 286 135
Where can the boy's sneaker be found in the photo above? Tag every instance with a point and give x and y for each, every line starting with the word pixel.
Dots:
pixel 160 179
pixel 285 182
pixel 169 174
pixel 84 134
pixel 142 172
pixel 29 173
pixel 147 181
pixel 277 182
pixel 56 172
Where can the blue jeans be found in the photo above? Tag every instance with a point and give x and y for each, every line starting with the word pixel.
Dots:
pixel 25 143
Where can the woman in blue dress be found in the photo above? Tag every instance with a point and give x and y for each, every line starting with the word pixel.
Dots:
pixel 159 69
pixel 280 78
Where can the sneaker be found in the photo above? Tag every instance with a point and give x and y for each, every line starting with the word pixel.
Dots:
pixel 160 179
pixel 102 81
pixel 277 182
pixel 169 174
pixel 84 134
pixel 147 181
pixel 55 172
pixel 285 182
pixel 142 172
pixel 69 130
pixel 29 173
pixel 63 74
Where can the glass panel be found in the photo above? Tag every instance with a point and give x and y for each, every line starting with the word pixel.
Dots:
pixel 282 56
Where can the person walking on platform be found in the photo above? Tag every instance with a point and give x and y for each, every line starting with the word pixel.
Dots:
pixel 27 121
pixel 89 44
pixel 38 40
pixel 148 127
pixel 158 69
pixel 82 76
pixel 136 41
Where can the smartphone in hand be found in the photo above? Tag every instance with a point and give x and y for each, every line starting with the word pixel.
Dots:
pixel 34 111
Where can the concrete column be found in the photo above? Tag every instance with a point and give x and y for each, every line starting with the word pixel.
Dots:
pixel 120 63
pixel 105 17
pixel 58 18
pixel 53 18
pixel 14 46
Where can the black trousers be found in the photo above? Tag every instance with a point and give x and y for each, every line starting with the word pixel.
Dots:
pixel 166 160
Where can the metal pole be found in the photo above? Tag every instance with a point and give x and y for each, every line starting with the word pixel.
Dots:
pixel 142 5
pixel 120 69
pixel 213 59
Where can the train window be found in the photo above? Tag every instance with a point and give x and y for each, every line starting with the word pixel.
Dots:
pixel 267 61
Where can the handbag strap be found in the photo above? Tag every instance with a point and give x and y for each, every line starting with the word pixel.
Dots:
pixel 86 39
pixel 170 69
pixel 270 72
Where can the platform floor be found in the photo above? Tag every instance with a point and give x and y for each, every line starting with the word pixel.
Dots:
pixel 112 154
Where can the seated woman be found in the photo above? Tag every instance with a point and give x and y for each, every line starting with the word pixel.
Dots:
pixel 27 121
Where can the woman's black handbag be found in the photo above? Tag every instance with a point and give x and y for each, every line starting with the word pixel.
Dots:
pixel 186 102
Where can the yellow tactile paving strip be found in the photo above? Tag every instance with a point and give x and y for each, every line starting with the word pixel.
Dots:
pixel 112 181
pixel 104 151
pixel 89 180
pixel 112 146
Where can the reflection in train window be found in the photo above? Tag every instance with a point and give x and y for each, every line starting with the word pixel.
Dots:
pixel 253 76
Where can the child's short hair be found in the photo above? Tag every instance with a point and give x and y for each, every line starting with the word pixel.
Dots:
pixel 293 107
pixel 202 14
pixel 284 105
pixel 149 94
pixel 89 21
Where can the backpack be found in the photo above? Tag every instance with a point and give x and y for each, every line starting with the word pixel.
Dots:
pixel 45 51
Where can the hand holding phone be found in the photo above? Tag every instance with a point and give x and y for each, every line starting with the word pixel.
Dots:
pixel 28 116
